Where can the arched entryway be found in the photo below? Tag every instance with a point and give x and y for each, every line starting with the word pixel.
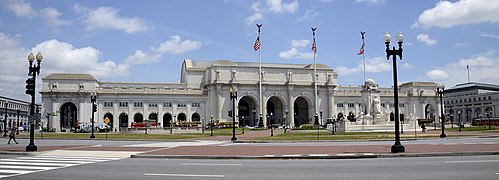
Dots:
pixel 196 117
pixel 275 111
pixel 181 117
pixel 111 120
pixel 429 111
pixel 69 117
pixel 167 119
pixel 247 112
pixel 138 117
pixel 153 117
pixel 300 107
pixel 123 120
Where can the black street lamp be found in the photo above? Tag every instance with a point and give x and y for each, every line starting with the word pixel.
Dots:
pixel 397 147
pixel 30 89
pixel 285 123
pixel 211 125
pixel 17 127
pixel 5 120
pixel 233 97
pixel 451 111
pixel 440 92
pixel 321 117
pixel 48 120
pixel 93 97
pixel 459 120
pixel 242 122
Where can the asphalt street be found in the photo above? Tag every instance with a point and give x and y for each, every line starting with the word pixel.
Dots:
pixel 463 167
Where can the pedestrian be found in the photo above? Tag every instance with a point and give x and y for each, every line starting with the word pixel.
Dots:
pixel 423 127
pixel 12 135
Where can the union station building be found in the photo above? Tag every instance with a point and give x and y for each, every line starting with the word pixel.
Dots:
pixel 203 94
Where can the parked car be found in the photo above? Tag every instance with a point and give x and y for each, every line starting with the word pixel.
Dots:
pixel 98 127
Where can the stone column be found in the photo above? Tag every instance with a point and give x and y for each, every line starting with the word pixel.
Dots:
pixel 116 117
pixel 219 102
pixel 290 118
pixel 130 113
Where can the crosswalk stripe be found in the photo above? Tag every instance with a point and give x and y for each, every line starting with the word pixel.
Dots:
pixel 23 165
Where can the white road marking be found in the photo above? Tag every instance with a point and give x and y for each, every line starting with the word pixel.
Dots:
pixel 291 155
pixel 206 164
pixel 186 175
pixel 318 155
pixel 473 161
pixel 345 154
pixel 26 167
pixel 269 155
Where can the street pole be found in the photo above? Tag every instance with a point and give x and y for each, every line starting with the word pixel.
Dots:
pixel 211 125
pixel 30 89
pixel 242 122
pixel 5 120
pixel 441 93
pixel 397 147
pixel 93 97
pixel 17 128
pixel 233 97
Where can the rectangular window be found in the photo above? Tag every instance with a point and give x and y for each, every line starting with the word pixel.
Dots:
pixel 339 105
pixel 401 105
pixel 383 105
pixel 351 105
pixel 123 104
pixel 392 105
pixel 167 104
pixel 108 104
pixel 181 105
pixel 153 104
pixel 490 97
pixel 196 104
pixel 138 104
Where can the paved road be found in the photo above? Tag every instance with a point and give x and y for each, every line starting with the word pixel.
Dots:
pixel 466 167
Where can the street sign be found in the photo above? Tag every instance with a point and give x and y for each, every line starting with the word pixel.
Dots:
pixel 106 120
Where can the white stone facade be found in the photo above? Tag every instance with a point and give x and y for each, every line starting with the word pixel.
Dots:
pixel 203 94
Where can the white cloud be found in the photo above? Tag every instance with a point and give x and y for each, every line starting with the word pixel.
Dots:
pixel 426 39
pixel 448 14
pixel 406 65
pixel 299 43
pixel 309 15
pixel 294 53
pixel 489 35
pixel 460 44
pixel 370 1
pixel 277 6
pixel 377 64
pixel 437 75
pixel 141 57
pixel 253 18
pixel 274 6
pixel 108 18
pixel 175 45
pixel 477 61
pixel 52 17
pixel 58 57
pixel 21 8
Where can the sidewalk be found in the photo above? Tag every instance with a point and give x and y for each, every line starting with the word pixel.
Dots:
pixel 245 148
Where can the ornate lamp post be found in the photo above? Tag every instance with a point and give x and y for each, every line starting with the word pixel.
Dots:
pixel 459 120
pixel 93 97
pixel 211 125
pixel 440 92
pixel 30 89
pixel 233 97
pixel 397 147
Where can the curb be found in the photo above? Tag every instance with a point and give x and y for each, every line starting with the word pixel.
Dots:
pixel 352 156
pixel 21 153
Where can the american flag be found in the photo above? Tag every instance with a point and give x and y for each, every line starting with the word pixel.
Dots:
pixel 314 47
pixel 257 44
pixel 361 51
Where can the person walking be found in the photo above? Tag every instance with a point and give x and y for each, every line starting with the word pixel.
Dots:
pixel 12 135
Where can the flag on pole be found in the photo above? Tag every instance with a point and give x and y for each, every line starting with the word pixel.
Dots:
pixel 256 46
pixel 314 47
pixel 361 51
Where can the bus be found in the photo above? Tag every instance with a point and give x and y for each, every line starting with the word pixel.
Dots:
pixel 494 121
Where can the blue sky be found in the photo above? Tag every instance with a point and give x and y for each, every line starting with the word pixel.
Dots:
pixel 146 41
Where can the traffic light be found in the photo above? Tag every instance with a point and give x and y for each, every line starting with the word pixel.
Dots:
pixel 230 113
pixel 94 107
pixel 30 86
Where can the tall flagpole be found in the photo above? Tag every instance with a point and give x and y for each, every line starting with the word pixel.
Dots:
pixel 468 69
pixel 260 75
pixel 363 55
pixel 314 48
